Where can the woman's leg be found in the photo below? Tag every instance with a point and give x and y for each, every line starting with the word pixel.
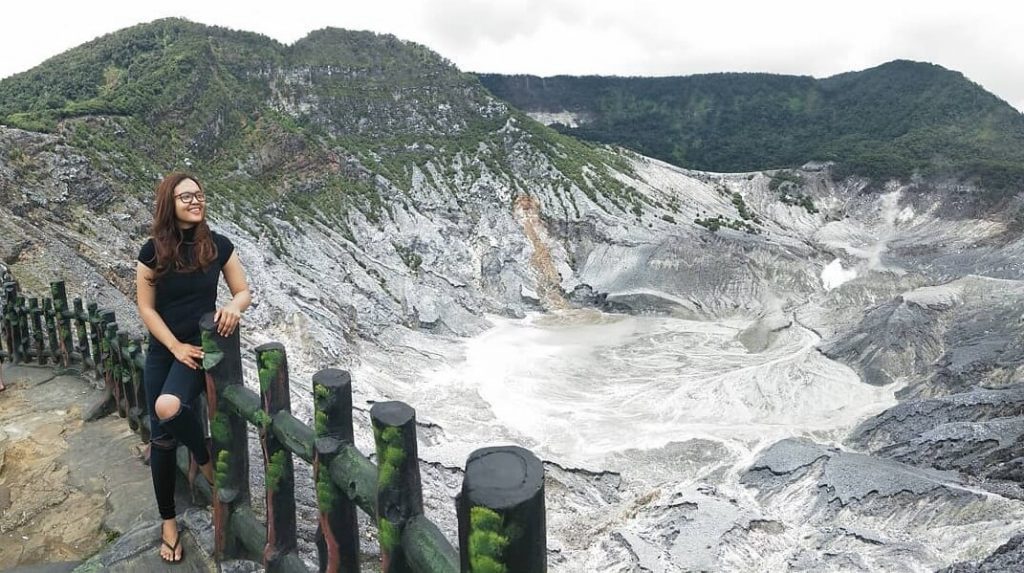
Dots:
pixel 162 448
pixel 177 416
pixel 174 409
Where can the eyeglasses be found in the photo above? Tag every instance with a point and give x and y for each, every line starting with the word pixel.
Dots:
pixel 188 196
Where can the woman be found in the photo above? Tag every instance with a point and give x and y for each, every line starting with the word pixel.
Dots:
pixel 176 281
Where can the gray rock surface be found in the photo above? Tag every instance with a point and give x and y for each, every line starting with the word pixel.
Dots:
pixel 939 339
pixel 138 548
pixel 913 418
pixel 72 486
pixel 65 567
pixel 989 449
pixel 1009 557
pixel 862 511
pixel 845 478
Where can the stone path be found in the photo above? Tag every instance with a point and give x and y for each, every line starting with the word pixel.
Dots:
pixel 68 488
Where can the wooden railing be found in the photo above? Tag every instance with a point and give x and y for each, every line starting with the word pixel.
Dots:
pixel 500 509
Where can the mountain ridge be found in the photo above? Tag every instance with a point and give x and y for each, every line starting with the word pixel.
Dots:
pixel 896 120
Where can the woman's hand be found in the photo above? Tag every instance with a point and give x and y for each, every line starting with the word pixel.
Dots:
pixel 187 354
pixel 226 319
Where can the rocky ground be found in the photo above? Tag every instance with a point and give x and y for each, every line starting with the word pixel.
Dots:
pixel 71 490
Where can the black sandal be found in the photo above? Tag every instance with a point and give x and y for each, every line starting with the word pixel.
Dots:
pixel 174 550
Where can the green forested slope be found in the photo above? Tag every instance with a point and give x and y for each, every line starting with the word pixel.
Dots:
pixel 336 121
pixel 894 120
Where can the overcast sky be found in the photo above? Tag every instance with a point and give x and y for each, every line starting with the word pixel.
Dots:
pixel 983 39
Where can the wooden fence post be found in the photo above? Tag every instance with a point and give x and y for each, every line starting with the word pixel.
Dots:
pixel 35 312
pixel 63 324
pixel 104 316
pixel 128 375
pixel 83 338
pixel 272 365
pixel 116 370
pixel 140 409
pixel 10 289
pixel 223 364
pixel 337 535
pixel 103 361
pixel 50 323
pixel 11 330
pixel 501 512
pixel 24 333
pixel 95 338
pixel 399 496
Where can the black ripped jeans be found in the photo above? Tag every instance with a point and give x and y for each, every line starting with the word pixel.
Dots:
pixel 165 375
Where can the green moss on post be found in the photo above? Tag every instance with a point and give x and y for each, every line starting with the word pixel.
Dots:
pixel 220 428
pixel 320 392
pixel 262 420
pixel 211 350
pixel 271 358
pixel 337 535
pixel 221 469
pixel 389 537
pixel 275 396
pixel 319 423
pixel 276 471
pixel 399 496
pixel 390 455
pixel 487 541
pixel 502 525
pixel 326 493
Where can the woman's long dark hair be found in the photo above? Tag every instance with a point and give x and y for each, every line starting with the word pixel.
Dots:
pixel 167 238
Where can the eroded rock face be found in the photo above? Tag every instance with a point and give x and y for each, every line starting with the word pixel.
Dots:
pixel 989 448
pixel 865 509
pixel 1009 557
pixel 915 418
pixel 939 339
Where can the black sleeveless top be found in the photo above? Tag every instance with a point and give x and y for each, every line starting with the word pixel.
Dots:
pixel 183 298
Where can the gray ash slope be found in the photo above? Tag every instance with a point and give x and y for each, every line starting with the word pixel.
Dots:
pixel 925 283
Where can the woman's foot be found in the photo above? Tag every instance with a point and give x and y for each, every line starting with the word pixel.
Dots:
pixel 170 542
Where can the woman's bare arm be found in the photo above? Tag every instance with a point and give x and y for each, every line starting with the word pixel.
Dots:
pixel 229 315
